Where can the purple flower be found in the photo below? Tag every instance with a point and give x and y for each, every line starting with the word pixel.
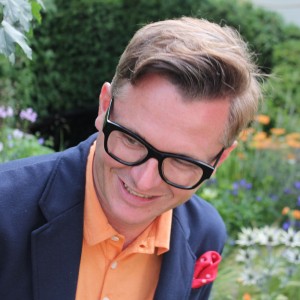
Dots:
pixel 248 186
pixel 41 141
pixel 297 185
pixel 6 112
pixel 235 186
pixel 28 114
pixel 244 184
pixel 287 191
pixel 258 198
pixel 274 197
pixel 286 225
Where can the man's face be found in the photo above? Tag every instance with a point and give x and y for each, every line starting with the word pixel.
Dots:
pixel 156 111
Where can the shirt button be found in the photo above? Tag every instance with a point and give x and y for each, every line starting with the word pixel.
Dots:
pixel 114 265
pixel 115 238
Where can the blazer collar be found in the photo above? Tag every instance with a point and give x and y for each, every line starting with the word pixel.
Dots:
pixel 177 268
pixel 56 246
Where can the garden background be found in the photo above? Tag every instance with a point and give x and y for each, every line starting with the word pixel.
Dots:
pixel 50 102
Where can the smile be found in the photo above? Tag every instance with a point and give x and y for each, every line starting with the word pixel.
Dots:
pixel 130 191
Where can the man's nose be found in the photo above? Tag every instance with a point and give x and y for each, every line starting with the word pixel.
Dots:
pixel 146 176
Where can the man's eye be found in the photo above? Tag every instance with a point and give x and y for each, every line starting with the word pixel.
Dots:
pixel 130 141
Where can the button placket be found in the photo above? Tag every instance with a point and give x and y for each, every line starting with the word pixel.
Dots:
pixel 114 265
pixel 115 238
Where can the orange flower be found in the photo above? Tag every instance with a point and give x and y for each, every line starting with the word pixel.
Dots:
pixel 246 296
pixel 263 119
pixel 260 136
pixel 296 214
pixel 241 155
pixel 262 143
pixel 293 144
pixel 285 210
pixel 244 135
pixel 293 136
pixel 293 140
pixel 277 131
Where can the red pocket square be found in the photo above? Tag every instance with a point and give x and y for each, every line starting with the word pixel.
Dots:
pixel 206 269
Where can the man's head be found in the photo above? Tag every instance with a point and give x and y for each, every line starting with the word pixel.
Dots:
pixel 183 88
pixel 206 62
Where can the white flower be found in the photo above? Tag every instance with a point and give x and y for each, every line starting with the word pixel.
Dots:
pixel 209 193
pixel 269 236
pixel 290 238
pixel 249 277
pixel 247 237
pixel 292 256
pixel 17 133
pixel 246 255
pixel 1 146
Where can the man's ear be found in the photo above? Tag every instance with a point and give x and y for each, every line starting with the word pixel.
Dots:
pixel 227 152
pixel 104 101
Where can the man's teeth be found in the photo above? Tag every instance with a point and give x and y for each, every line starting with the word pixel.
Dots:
pixel 135 193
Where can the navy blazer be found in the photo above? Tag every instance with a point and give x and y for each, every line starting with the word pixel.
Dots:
pixel 41 231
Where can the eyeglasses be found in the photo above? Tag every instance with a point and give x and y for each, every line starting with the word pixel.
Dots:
pixel 128 148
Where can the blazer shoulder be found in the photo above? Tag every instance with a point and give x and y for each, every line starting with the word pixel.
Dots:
pixel 202 224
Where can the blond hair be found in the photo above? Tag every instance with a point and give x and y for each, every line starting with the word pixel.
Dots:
pixel 206 61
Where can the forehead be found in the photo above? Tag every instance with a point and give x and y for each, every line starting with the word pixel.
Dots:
pixel 155 109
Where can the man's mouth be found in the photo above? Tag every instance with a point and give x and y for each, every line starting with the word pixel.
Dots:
pixel 132 192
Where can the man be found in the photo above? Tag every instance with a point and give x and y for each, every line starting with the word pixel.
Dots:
pixel 116 217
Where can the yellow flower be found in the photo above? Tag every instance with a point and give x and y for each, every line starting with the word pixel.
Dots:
pixel 285 210
pixel 277 131
pixel 263 119
pixel 296 214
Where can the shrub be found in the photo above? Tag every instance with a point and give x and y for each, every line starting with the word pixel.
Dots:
pixel 14 141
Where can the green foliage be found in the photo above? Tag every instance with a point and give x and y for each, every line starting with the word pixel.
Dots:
pixel 79 43
pixel 77 51
pixel 283 88
pixel 257 181
pixel 15 142
pixel 263 30
pixel 16 23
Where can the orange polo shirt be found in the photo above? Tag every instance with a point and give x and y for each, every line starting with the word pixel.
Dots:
pixel 106 271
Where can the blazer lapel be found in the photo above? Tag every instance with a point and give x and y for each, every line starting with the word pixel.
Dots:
pixel 56 251
pixel 177 268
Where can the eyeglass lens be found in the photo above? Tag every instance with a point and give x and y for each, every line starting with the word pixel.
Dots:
pixel 130 151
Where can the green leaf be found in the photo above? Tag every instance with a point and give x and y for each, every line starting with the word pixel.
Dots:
pixel 36 11
pixel 9 35
pixel 17 11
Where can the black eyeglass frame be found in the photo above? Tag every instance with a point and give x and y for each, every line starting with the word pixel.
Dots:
pixel 110 126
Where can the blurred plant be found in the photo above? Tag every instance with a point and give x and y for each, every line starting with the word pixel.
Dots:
pixel 270 257
pixel 14 141
pixel 16 22
pixel 259 179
